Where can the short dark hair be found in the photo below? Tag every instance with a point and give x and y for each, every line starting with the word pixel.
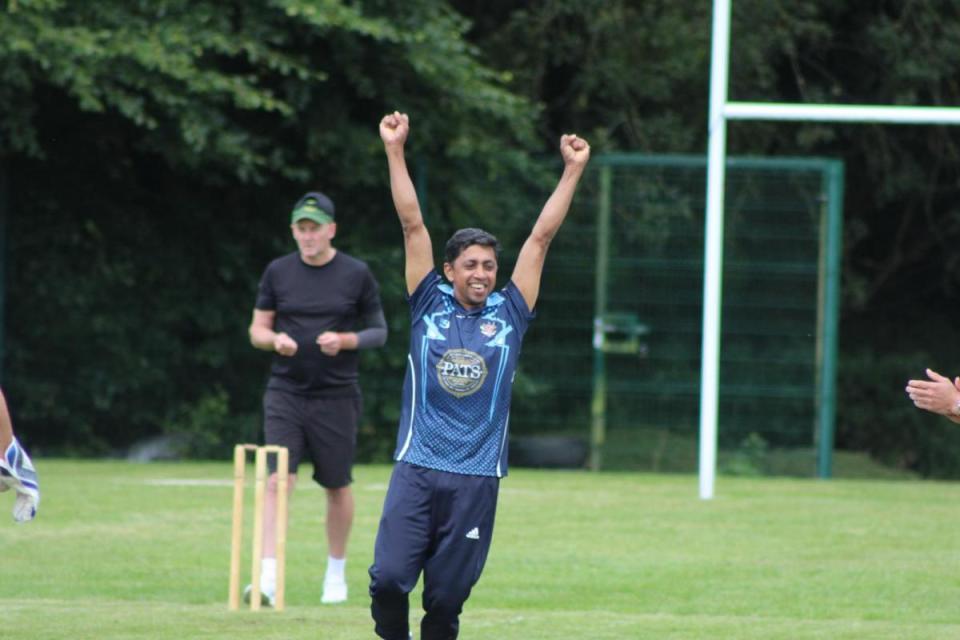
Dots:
pixel 464 238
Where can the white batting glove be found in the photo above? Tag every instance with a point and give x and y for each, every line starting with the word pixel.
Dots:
pixel 17 473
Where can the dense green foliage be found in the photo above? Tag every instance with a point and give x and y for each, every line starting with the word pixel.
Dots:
pixel 158 148
pixel 149 151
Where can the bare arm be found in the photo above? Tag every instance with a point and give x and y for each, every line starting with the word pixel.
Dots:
pixel 6 425
pixel 394 128
pixel 262 335
pixel 529 267
pixel 936 395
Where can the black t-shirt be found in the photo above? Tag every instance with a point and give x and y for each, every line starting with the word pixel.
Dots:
pixel 309 300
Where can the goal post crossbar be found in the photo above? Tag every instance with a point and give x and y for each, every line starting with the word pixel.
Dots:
pixel 859 113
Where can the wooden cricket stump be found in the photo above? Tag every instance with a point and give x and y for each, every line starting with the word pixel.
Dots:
pixel 236 538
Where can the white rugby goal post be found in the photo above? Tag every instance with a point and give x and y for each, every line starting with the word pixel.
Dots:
pixel 722 110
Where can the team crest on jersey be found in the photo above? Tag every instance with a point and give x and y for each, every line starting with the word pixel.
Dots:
pixel 461 372
pixel 489 329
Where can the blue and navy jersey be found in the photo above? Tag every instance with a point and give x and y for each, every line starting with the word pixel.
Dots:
pixel 455 411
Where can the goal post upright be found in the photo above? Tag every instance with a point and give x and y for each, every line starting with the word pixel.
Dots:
pixel 713 247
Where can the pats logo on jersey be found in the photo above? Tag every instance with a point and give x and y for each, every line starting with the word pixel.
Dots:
pixel 489 329
pixel 461 372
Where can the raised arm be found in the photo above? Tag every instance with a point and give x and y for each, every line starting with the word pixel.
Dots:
pixel 529 267
pixel 394 128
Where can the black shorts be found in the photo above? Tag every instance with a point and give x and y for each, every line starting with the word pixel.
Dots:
pixel 321 428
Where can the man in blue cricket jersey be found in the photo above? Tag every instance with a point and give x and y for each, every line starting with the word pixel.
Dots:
pixel 451 447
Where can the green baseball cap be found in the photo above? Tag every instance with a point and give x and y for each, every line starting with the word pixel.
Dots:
pixel 313 206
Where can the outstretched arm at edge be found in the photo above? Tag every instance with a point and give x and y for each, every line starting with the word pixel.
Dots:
pixel 936 395
pixel 6 425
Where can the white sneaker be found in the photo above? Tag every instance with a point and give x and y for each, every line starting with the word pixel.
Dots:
pixel 267 596
pixel 334 591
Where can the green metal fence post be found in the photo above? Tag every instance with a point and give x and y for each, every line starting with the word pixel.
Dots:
pixel 598 406
pixel 831 319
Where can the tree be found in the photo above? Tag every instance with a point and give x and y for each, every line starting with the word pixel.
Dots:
pixel 152 150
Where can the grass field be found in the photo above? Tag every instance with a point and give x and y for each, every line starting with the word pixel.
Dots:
pixel 124 550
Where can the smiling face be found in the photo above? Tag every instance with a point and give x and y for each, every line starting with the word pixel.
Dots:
pixel 313 240
pixel 473 275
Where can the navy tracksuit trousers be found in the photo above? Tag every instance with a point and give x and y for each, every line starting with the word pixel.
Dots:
pixel 439 523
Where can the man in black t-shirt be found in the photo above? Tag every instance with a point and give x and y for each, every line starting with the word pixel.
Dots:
pixel 315 308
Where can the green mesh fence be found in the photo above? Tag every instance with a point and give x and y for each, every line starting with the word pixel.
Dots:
pixel 629 261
